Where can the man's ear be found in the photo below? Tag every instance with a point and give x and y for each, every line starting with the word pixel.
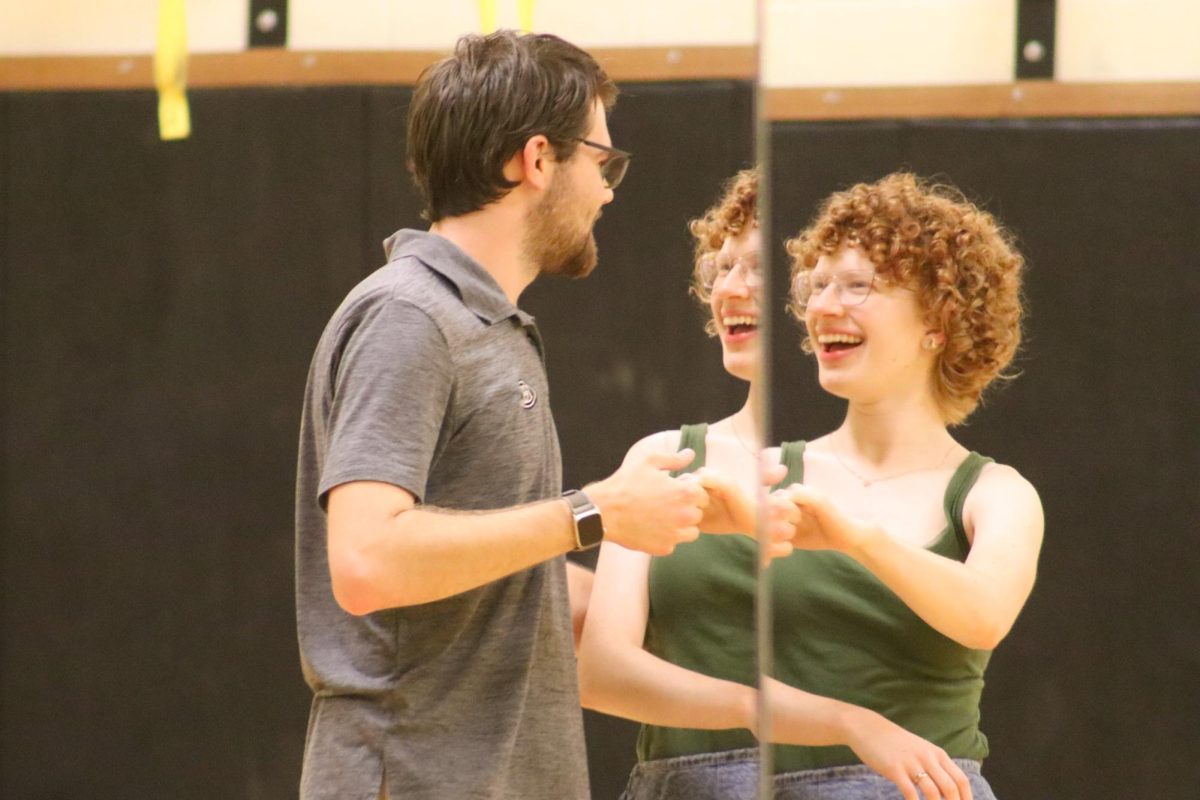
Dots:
pixel 532 163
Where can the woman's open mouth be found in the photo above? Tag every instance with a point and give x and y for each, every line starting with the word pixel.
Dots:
pixel 837 345
pixel 737 327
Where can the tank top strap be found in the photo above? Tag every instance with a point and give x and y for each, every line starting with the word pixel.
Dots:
pixel 791 455
pixel 956 494
pixel 692 436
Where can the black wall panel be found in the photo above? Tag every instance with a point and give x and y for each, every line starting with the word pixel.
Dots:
pixel 160 312
pixel 1093 692
pixel 161 303
pixel 5 333
pixel 392 200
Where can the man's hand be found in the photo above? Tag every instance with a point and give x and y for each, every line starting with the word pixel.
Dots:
pixel 644 508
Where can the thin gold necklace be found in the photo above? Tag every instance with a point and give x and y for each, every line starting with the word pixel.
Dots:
pixel 738 436
pixel 868 482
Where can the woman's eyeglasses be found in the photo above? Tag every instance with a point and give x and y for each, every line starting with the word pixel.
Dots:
pixel 714 268
pixel 851 287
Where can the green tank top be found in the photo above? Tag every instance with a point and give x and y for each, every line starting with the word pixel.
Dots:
pixel 839 632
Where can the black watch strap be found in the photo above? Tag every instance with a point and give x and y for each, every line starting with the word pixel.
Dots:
pixel 589 529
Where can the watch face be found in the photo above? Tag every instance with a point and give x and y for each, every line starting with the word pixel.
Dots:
pixel 589 530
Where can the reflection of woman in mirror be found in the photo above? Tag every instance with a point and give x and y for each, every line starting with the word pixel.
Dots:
pixel 669 641
pixel 924 552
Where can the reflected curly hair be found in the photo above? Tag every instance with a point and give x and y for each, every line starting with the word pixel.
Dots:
pixel 734 214
pixel 962 264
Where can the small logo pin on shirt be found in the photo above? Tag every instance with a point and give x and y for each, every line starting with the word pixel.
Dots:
pixel 528 395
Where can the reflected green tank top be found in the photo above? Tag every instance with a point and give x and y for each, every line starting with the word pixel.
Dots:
pixel 838 632
pixel 702 618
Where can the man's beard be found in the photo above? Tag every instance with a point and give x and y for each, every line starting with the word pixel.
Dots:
pixel 552 243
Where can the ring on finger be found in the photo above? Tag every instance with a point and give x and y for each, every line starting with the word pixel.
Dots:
pixel 917 778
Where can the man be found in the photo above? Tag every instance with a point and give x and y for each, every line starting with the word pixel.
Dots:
pixel 432 598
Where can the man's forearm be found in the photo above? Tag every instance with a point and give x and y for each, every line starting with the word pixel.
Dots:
pixel 426 554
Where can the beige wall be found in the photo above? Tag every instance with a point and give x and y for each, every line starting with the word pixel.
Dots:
pixel 807 42
pixel 1148 40
pixel 388 24
pixel 881 43
pixel 118 27
pixel 88 27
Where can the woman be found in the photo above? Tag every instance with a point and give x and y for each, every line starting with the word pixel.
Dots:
pixel 910 296
pixel 669 641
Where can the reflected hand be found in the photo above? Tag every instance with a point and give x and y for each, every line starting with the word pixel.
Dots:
pixel 732 510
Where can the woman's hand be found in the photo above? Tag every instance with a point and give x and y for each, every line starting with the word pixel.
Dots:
pixel 920 769
pixel 820 525
pixel 974 602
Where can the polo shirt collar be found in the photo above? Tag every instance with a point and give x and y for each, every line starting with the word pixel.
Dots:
pixel 477 288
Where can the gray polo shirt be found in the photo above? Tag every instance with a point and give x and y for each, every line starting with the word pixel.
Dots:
pixel 428 378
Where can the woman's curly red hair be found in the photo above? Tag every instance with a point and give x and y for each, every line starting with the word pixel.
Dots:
pixel 734 214
pixel 962 264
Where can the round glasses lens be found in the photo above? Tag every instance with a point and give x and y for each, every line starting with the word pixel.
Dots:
pixel 707 271
pixel 853 287
pixel 802 290
pixel 614 171
pixel 750 271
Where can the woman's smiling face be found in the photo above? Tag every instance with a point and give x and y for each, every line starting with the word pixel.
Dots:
pixel 867 333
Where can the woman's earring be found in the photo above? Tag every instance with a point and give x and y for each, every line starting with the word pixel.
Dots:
pixel 929 342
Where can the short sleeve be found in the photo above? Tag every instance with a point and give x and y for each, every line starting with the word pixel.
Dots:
pixel 391 381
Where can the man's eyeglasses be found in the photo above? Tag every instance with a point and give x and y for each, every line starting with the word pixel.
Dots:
pixel 612 169
pixel 852 287
pixel 714 268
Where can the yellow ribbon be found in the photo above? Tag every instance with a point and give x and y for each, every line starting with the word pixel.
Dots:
pixel 525 14
pixel 170 71
pixel 487 15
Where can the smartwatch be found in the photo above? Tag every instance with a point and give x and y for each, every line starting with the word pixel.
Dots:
pixel 589 530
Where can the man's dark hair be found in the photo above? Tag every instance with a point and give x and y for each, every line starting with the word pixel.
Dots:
pixel 471 112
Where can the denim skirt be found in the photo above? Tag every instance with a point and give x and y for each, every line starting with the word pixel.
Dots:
pixel 733 775
pixel 859 782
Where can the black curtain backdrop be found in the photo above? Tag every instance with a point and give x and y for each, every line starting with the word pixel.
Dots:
pixel 161 302
pixel 1094 693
